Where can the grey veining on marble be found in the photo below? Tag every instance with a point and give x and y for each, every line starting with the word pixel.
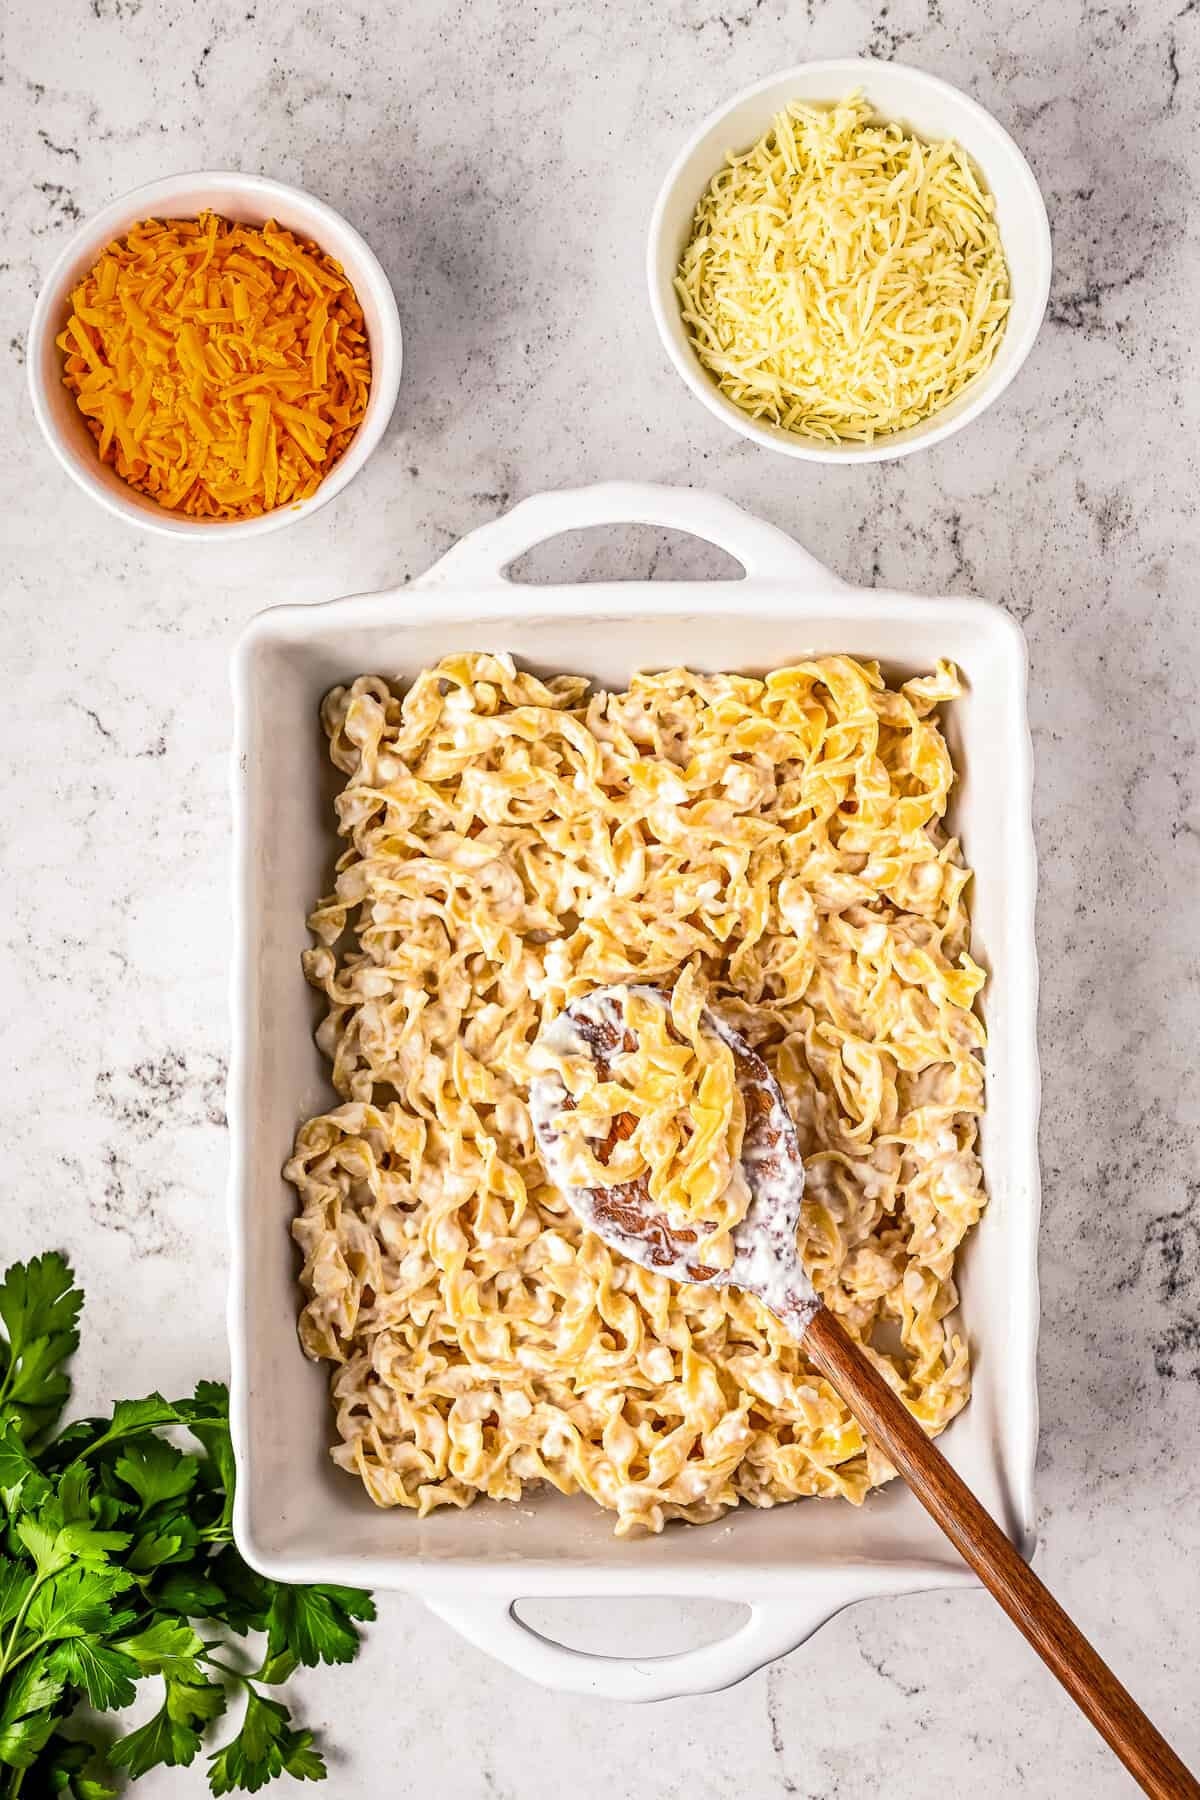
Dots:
pixel 502 157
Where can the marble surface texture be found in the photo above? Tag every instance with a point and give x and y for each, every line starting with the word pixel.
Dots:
pixel 501 158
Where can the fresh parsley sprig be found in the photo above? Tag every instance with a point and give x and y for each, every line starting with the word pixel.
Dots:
pixel 115 1544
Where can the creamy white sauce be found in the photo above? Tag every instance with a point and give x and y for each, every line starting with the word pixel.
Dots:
pixel 771 1173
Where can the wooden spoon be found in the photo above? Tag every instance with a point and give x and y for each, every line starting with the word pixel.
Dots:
pixel 767 1265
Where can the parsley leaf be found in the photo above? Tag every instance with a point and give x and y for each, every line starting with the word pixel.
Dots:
pixel 315 1622
pixel 277 1666
pixel 77 1603
pixel 15 1582
pixel 88 1544
pixel 266 1746
pixel 247 1593
pixel 73 1440
pixel 106 1676
pixel 22 1484
pixel 39 1309
pixel 190 1592
pixel 162 1740
pixel 41 1541
pixel 156 1470
pixel 170 1540
pixel 25 1722
pixel 167 1647
pixel 75 1494
pixel 194 1702
pixel 209 1402
pixel 64 1769
pixel 214 1435
pixel 39 1299
pixel 37 1385
pixel 53 1545
pixel 302 1760
pixel 130 1416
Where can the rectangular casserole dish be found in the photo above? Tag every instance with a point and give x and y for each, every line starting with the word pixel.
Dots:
pixel 297 1516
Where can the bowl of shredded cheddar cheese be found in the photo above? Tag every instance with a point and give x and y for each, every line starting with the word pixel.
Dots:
pixel 215 355
pixel 849 261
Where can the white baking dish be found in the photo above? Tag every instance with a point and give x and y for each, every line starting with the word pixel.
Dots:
pixel 300 1518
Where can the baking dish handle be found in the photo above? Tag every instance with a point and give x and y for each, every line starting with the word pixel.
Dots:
pixel 765 552
pixel 775 1626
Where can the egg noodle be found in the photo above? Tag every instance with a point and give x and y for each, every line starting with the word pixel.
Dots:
pixel 777 847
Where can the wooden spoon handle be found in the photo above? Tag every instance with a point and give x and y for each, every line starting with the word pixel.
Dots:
pixel 979 1540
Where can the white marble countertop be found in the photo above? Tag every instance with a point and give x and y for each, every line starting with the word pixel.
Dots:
pixel 501 158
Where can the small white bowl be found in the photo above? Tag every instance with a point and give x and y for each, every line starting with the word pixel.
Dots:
pixel 251 200
pixel 932 109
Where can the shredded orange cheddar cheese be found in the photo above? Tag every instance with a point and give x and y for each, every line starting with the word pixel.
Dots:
pixel 222 369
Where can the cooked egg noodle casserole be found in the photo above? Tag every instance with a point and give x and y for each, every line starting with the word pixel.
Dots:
pixel 775 851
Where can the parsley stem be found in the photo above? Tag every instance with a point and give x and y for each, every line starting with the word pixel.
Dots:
pixel 7 1660
pixel 132 1431
pixel 39 1643
pixel 14 1786
pixel 214 1662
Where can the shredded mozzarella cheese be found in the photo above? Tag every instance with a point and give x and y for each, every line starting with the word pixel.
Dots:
pixel 843 279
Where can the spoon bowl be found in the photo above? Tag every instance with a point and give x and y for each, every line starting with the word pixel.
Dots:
pixel 765 1262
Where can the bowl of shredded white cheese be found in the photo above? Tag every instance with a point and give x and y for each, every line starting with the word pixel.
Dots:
pixel 849 261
